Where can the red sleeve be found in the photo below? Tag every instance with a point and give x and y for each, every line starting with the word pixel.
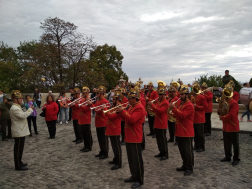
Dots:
pixel 85 108
pixel 161 109
pixel 138 114
pixel 236 96
pixel 56 108
pixel 183 114
pixel 111 116
pixel 234 107
pixel 209 96
pixel 203 105
pixel 44 106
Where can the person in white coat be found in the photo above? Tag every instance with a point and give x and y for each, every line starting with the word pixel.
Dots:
pixel 19 128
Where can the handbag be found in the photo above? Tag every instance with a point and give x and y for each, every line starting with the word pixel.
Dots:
pixel 42 114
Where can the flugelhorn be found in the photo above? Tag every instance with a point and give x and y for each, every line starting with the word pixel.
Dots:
pixel 84 103
pixel 105 111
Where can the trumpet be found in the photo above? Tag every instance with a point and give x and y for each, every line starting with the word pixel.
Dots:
pixel 208 89
pixel 106 104
pixel 154 100
pixel 77 99
pixel 84 103
pixel 105 111
pixel 66 98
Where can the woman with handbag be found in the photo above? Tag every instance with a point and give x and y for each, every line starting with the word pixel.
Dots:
pixel 51 109
pixel 33 117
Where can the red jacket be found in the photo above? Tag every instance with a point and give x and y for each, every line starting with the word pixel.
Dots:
pixel 133 123
pixel 178 95
pixel 209 97
pixel 143 102
pixel 152 95
pixel 51 111
pixel 124 100
pixel 113 124
pixel 236 96
pixel 160 109
pixel 230 121
pixel 171 100
pixel 75 111
pixel 201 105
pixel 184 119
pixel 100 118
pixel 84 114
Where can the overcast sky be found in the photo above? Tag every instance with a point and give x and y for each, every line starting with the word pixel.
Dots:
pixel 160 40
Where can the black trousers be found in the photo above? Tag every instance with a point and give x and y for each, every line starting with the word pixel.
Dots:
pixel 122 130
pixel 115 143
pixel 186 152
pixel 51 125
pixel 199 138
pixel 231 138
pixel 143 142
pixel 162 141
pixel 32 119
pixel 6 123
pixel 38 103
pixel 18 151
pixel 87 135
pixel 77 131
pixel 70 114
pixel 103 140
pixel 151 120
pixel 171 127
pixel 135 160
pixel 208 125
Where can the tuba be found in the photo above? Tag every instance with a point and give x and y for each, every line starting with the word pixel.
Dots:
pixel 223 104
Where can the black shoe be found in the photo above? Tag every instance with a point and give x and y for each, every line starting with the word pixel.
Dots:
pixel 78 141
pixel 163 158
pixel 23 168
pixel 30 135
pixel 23 164
pixel 103 157
pixel 111 162
pixel 222 139
pixel 130 179
pixel 142 149
pixel 123 143
pixel 115 167
pixel 150 134
pixel 82 149
pixel 170 140
pixel 36 133
pixel 136 185
pixel 175 144
pixel 74 140
pixel 225 159
pixel 200 150
pixel 235 162
pixel 154 136
pixel 4 139
pixel 98 155
pixel 50 138
pixel 86 150
pixel 187 173
pixel 158 155
pixel 180 169
pixel 9 137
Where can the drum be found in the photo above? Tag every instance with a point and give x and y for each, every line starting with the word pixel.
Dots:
pixel 245 95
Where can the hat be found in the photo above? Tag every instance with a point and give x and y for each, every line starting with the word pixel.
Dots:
pixel 121 90
pixel 228 91
pixel 204 85
pixel 118 95
pixel 16 94
pixel 77 91
pixel 50 91
pixel 161 91
pixel 138 84
pixel 184 89
pixel 172 89
pixel 196 88
pixel 85 90
pixel 161 84
pixel 133 93
pixel 150 84
pixel 175 84
pixel 101 89
pixel 138 89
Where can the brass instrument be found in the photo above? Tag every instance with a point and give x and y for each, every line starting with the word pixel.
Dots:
pixel 105 111
pixel 77 99
pixel 85 103
pixel 66 98
pixel 149 110
pixel 106 104
pixel 169 112
pixel 208 89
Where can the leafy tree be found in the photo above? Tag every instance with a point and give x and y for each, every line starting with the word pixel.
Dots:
pixel 250 82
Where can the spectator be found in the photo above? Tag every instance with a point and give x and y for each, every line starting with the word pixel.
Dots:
pixel 63 107
pixel 57 101
pixel 5 118
pixel 33 117
pixel 51 109
pixel 1 96
pixel 50 93
pixel 110 95
pixel 247 112
pixel 39 97
pixel 92 96
pixel 226 78
pixel 71 90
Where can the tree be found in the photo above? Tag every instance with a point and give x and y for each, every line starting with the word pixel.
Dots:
pixel 109 59
pixel 250 82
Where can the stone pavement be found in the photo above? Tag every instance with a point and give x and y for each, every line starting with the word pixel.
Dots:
pixel 58 163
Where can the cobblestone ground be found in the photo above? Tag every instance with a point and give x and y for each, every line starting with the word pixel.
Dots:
pixel 58 163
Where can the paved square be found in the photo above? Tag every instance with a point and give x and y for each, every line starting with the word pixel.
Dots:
pixel 58 163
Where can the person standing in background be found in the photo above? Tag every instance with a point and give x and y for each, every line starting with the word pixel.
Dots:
pixel 33 117
pixel 63 107
pixel 5 118
pixel 39 97
pixel 226 78
pixel 247 112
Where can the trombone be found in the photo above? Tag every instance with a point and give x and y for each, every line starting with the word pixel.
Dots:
pixel 66 98
pixel 105 111
pixel 77 99
pixel 106 104
pixel 84 103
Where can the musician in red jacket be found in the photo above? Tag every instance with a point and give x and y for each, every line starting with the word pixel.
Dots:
pixel 100 122
pixel 151 95
pixel 230 127
pixel 160 108
pixel 200 104
pixel 143 102
pixel 208 111
pixel 236 95
pixel 171 119
pixel 75 115
pixel 184 132
pixel 133 137
pixel 113 130
pixel 84 120
pixel 124 100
